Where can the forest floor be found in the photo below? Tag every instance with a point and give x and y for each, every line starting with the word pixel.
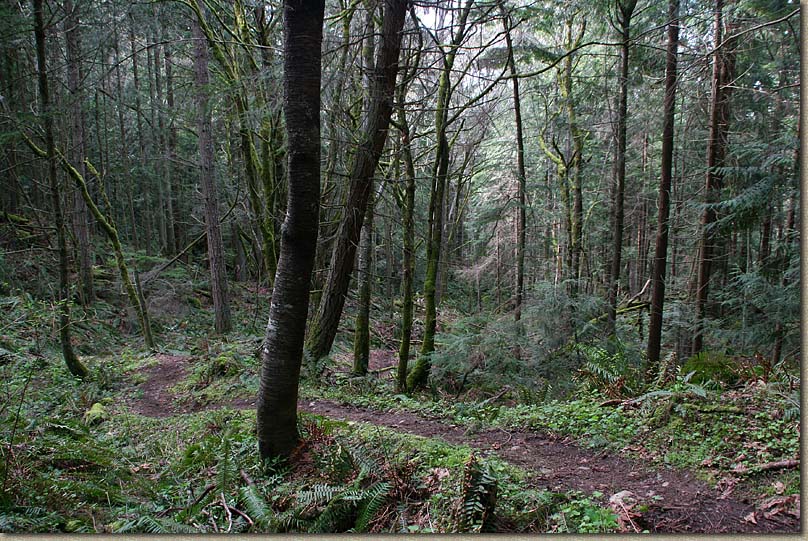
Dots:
pixel 677 501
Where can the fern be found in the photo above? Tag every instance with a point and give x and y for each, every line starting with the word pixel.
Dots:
pixel 256 506
pixel 148 524
pixel 478 499
pixel 374 498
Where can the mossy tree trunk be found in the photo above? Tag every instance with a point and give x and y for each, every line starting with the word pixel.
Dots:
pixel 380 108
pixel 74 365
pixel 406 202
pixel 420 372
pixel 108 226
pixel 365 279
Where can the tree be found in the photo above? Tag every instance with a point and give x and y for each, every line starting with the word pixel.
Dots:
pixel 380 108
pixel 81 224
pixel 218 276
pixel 282 351
pixel 520 170
pixel 420 372
pixel 625 10
pixel 663 204
pixel 723 72
pixel 74 365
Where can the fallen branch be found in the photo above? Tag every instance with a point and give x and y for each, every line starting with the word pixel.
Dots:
pixel 154 273
pixel 242 514
pixel 203 494
pixel 496 396
pixel 246 478
pixel 385 369
pixel 779 465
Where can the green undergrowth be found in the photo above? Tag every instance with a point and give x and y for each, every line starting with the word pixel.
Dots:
pixel 719 434
pixel 119 472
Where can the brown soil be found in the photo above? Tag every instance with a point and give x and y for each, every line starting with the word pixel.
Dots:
pixel 677 501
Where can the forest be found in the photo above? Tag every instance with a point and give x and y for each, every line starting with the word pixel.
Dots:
pixel 400 266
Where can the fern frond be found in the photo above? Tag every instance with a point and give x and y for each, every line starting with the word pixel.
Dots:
pixel 255 505
pixel 375 497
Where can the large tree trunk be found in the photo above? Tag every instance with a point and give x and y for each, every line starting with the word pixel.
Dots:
pixel 73 363
pixel 81 222
pixel 382 86
pixel 664 201
pixel 218 274
pixel 283 345
pixel 723 70
pixel 625 11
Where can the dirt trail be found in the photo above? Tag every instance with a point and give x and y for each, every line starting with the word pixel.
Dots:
pixel 678 502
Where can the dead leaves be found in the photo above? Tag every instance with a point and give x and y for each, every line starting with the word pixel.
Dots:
pixel 622 503
pixel 778 505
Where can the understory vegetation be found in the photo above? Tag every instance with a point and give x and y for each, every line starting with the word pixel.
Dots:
pixel 80 457
pixel 400 266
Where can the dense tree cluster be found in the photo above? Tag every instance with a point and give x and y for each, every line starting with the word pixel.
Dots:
pixel 620 170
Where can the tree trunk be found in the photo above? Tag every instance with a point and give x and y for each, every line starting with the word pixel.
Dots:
pixel 175 238
pixel 664 201
pixel 420 372
pixel 723 68
pixel 626 10
pixel 408 259
pixel 326 321
pixel 362 326
pixel 81 222
pixel 73 363
pixel 218 273
pixel 520 172
pixel 283 345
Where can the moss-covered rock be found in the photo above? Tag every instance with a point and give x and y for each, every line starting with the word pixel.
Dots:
pixel 711 365
pixel 96 414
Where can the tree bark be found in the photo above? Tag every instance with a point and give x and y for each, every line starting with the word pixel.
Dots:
pixel 283 345
pixel 664 201
pixel 218 273
pixel 420 372
pixel 81 222
pixel 723 70
pixel 73 363
pixel 326 321
pixel 362 325
pixel 520 171
pixel 625 12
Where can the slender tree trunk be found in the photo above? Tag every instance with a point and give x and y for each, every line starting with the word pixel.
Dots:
pixel 520 171
pixel 723 68
pixel 140 139
pixel 362 326
pixel 420 372
pixel 664 201
pixel 218 273
pixel 382 87
pixel 626 10
pixel 170 134
pixel 408 259
pixel 73 363
pixel 283 345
